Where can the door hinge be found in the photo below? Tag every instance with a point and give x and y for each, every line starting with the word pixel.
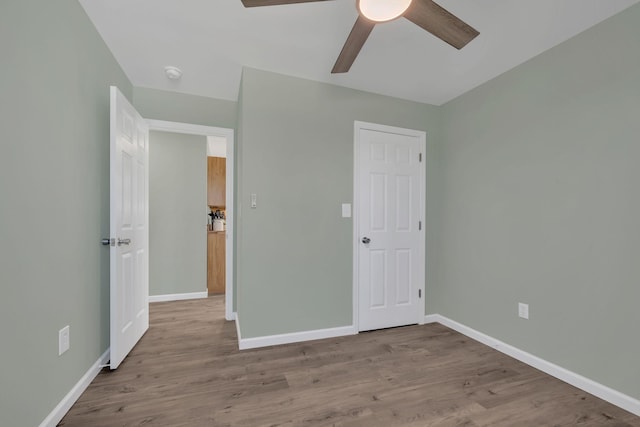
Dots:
pixel 419 293
pixel 420 157
pixel 419 225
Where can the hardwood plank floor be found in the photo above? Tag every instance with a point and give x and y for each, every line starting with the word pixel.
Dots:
pixel 187 371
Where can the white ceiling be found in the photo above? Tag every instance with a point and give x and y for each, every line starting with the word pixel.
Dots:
pixel 211 40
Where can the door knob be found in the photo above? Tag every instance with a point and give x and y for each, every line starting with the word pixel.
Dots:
pixel 123 241
pixel 366 240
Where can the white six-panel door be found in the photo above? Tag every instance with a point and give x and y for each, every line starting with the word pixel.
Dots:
pixel 389 226
pixel 129 217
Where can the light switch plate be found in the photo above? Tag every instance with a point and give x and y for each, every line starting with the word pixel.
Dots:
pixel 254 200
pixel 346 210
pixel 523 310
pixel 63 340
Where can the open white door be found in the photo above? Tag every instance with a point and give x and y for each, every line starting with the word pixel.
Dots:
pixel 129 240
pixel 389 189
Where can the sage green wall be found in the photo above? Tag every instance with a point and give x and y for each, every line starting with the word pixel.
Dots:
pixel 177 213
pixel 296 154
pixel 54 190
pixel 184 108
pixel 541 205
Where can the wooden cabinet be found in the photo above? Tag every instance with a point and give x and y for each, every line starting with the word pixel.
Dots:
pixel 216 181
pixel 216 262
pixel 216 197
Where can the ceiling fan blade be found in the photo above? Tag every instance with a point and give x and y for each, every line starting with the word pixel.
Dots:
pixel 359 34
pixel 254 3
pixel 441 23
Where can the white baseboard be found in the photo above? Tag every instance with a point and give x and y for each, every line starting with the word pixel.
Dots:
pixel 67 402
pixel 432 318
pixel 178 297
pixel 237 320
pixel 265 341
pixel 602 391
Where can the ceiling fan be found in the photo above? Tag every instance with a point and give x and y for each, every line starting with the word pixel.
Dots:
pixel 424 13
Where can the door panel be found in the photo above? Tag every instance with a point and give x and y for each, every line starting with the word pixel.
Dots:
pixel 378 204
pixel 403 203
pixel 389 208
pixel 378 284
pixel 124 299
pixel 403 276
pixel 127 192
pixel 129 286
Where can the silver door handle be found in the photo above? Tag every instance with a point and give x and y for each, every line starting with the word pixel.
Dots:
pixel 366 240
pixel 123 241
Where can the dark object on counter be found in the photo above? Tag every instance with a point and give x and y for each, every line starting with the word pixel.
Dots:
pixel 218 214
pixel 212 215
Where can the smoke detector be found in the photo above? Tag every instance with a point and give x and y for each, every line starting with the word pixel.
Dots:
pixel 173 73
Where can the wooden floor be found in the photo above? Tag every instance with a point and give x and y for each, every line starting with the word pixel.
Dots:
pixel 187 371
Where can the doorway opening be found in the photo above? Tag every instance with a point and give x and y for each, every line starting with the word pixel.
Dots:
pixel 217 213
pixel 222 237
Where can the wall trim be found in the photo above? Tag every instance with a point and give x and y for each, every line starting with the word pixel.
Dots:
pixel 238 330
pixel 178 297
pixel 67 402
pixel 432 318
pixel 612 396
pixel 191 129
pixel 317 334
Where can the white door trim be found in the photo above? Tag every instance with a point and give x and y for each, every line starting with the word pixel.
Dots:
pixel 228 134
pixel 422 136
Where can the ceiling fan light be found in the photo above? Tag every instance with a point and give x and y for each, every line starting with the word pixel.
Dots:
pixel 382 10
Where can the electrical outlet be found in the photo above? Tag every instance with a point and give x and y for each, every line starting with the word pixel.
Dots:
pixel 63 340
pixel 523 310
